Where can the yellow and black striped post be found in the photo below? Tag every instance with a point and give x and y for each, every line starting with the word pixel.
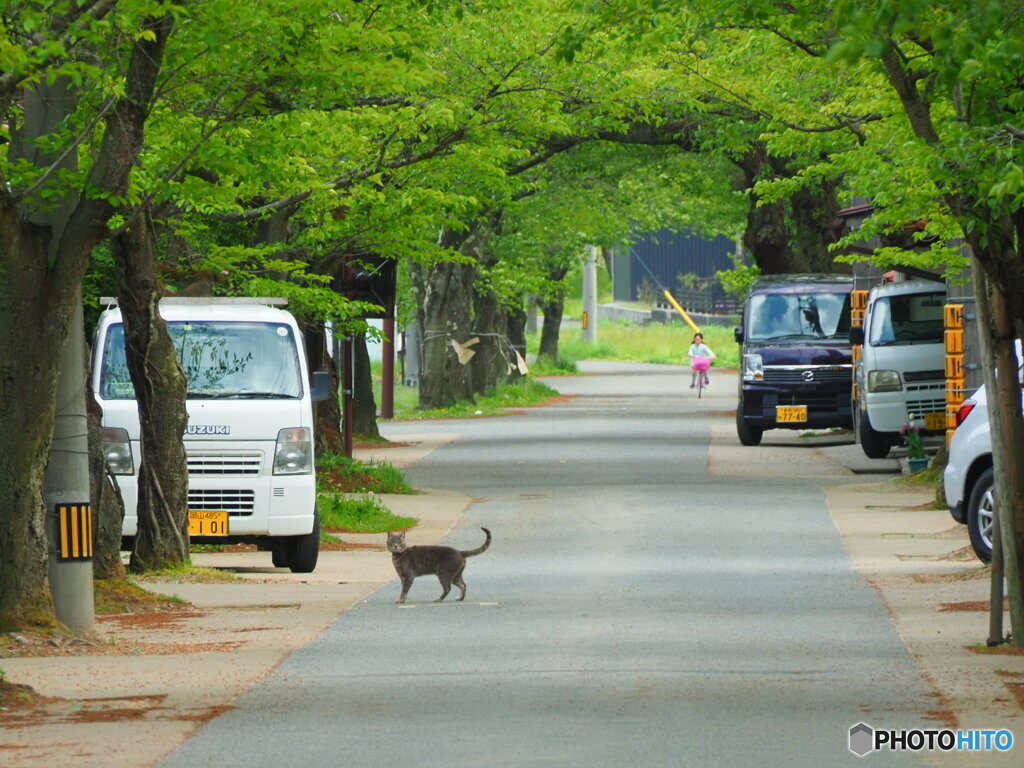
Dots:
pixel 953 321
pixel 74 532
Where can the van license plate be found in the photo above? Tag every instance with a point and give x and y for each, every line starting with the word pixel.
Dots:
pixel 935 421
pixel 205 522
pixel 790 413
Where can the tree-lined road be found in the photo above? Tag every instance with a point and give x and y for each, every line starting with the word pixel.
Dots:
pixel 633 609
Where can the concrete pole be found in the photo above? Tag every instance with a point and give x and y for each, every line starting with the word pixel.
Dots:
pixel 66 490
pixel 590 295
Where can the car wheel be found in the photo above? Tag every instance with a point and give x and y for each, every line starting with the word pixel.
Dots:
pixel 304 551
pixel 874 444
pixel 748 435
pixel 980 507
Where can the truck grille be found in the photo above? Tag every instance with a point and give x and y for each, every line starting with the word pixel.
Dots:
pixel 794 374
pixel 241 463
pixel 916 409
pixel 237 503
pixel 924 376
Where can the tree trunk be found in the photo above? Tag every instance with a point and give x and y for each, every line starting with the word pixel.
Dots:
pixel 160 390
pixel 107 505
pixel 765 237
pixel 814 213
pixel 788 236
pixel 326 413
pixel 364 408
pixel 444 296
pixel 516 321
pixel 998 332
pixel 489 366
pixel 552 308
pixel 33 305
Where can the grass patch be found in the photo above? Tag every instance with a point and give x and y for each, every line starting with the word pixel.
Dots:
pixel 338 474
pixel 927 479
pixel 115 596
pixel 651 343
pixel 189 574
pixel 359 514
pixel 517 394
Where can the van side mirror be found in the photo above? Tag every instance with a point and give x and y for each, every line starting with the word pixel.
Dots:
pixel 737 333
pixel 320 386
pixel 856 334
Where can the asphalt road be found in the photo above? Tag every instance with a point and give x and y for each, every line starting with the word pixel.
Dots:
pixel 632 610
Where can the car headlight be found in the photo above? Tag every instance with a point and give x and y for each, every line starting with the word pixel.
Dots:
pixel 117 450
pixel 753 368
pixel 884 381
pixel 294 452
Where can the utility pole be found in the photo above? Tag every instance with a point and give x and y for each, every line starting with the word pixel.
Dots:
pixel 590 294
pixel 66 480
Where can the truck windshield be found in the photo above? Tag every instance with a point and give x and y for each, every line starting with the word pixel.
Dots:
pixel 798 316
pixel 914 318
pixel 220 360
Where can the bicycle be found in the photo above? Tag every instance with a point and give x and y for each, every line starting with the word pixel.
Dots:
pixel 700 366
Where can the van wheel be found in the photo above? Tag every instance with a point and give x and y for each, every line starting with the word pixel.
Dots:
pixel 874 444
pixel 748 435
pixel 980 507
pixel 303 551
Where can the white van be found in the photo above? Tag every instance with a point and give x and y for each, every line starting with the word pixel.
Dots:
pixel 901 376
pixel 249 438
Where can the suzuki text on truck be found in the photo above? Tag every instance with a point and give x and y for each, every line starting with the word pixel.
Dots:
pixel 795 355
pixel 249 438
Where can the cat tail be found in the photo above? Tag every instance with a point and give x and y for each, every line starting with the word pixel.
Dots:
pixel 482 547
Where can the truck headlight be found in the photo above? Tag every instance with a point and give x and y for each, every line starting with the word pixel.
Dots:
pixel 753 368
pixel 294 452
pixel 117 450
pixel 884 381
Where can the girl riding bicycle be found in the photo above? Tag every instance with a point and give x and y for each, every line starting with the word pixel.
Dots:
pixel 700 355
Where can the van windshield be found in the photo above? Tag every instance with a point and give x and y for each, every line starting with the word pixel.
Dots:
pixel 220 360
pixel 909 319
pixel 798 316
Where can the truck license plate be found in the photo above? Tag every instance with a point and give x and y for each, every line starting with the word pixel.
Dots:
pixel 790 413
pixel 935 421
pixel 205 522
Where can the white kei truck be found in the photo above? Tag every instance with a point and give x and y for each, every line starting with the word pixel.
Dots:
pixel 901 376
pixel 249 439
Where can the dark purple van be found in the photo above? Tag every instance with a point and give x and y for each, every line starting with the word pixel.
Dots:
pixel 796 370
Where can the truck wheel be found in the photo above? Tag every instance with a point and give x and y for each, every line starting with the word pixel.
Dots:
pixel 874 444
pixel 980 506
pixel 748 435
pixel 303 551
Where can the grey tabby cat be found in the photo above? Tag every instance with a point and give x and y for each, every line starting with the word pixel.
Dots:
pixel 447 563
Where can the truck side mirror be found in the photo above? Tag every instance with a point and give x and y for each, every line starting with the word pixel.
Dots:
pixel 320 388
pixel 856 334
pixel 737 333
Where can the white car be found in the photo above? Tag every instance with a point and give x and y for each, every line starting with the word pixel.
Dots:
pixel 967 479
